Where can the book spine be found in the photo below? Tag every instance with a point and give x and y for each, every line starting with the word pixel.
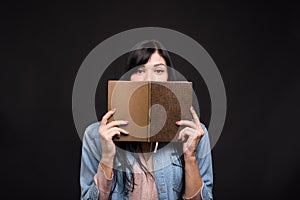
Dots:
pixel 149 112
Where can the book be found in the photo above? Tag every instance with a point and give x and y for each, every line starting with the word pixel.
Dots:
pixel 151 108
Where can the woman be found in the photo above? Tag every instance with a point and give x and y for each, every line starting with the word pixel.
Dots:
pixel 109 172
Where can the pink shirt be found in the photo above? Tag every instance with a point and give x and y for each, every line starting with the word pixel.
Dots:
pixel 145 187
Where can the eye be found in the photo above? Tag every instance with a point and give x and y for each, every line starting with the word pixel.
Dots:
pixel 159 71
pixel 140 71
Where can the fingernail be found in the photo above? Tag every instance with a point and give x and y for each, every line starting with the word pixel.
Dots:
pixel 126 121
pixel 113 109
pixel 178 122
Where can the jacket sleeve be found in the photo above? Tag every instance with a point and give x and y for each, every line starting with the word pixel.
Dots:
pixel 205 165
pixel 91 155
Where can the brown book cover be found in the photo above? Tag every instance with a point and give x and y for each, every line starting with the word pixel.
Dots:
pixel 151 107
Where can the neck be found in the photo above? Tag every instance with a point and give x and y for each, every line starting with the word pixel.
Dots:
pixel 146 149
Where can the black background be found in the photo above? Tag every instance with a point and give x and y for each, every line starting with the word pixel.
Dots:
pixel 254 44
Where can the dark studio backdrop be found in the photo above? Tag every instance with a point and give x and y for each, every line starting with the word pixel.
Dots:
pixel 254 44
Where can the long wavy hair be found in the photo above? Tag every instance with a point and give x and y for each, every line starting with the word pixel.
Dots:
pixel 139 55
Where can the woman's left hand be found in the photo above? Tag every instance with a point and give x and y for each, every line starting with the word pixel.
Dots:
pixel 191 134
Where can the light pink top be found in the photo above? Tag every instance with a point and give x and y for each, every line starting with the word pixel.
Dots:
pixel 145 187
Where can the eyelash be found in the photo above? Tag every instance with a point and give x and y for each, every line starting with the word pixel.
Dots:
pixel 159 71
pixel 139 71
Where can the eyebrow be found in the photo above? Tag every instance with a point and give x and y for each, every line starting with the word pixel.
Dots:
pixel 155 65
pixel 158 64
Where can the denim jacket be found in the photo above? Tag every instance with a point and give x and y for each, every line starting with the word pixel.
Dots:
pixel 168 169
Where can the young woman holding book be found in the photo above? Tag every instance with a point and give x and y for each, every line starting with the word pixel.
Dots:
pixel 131 170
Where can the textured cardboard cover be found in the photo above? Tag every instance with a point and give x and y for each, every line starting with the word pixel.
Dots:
pixel 151 107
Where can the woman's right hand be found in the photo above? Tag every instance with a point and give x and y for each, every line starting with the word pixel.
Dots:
pixel 107 131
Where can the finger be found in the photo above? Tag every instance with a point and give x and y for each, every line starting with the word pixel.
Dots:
pixel 180 135
pixel 184 133
pixel 188 145
pixel 120 130
pixel 116 123
pixel 195 116
pixel 187 123
pixel 107 116
pixel 191 134
pixel 188 138
pixel 112 133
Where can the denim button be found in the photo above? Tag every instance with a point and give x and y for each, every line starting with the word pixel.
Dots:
pixel 160 188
